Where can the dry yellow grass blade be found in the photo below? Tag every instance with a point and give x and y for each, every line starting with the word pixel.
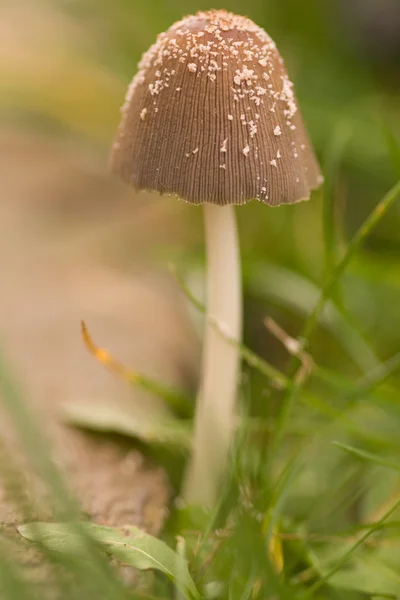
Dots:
pixel 176 399
pixel 105 358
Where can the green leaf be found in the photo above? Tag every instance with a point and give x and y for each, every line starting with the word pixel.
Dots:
pixel 137 548
pixel 369 456
pixel 149 427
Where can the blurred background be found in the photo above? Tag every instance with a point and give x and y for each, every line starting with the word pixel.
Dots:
pixel 74 243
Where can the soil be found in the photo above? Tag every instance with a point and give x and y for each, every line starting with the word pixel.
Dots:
pixel 76 245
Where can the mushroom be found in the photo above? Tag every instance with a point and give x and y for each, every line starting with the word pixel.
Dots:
pixel 211 117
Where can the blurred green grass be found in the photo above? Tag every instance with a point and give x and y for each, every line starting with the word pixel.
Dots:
pixel 64 72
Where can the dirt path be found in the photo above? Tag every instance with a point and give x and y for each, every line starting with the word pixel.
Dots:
pixel 74 245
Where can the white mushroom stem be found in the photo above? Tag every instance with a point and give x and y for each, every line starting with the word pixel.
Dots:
pixel 216 402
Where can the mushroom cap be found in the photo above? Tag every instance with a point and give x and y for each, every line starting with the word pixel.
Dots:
pixel 211 117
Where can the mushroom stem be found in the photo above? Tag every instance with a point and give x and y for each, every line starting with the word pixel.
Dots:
pixel 216 402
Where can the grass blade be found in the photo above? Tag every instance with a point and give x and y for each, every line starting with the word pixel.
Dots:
pixel 342 561
pixel 177 400
pixel 37 449
pixel 340 138
pixel 368 456
pixel 393 147
pixel 369 224
pixel 372 220
pixel 36 445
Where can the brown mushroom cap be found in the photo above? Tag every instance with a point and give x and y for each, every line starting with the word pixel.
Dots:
pixel 211 117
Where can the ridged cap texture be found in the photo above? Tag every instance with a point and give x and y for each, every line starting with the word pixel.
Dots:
pixel 211 116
